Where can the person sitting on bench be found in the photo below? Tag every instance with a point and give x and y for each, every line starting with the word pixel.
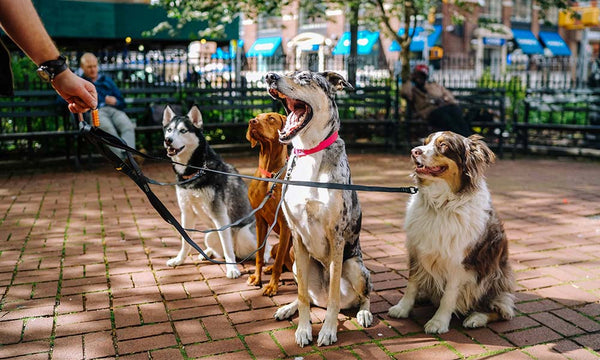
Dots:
pixel 111 103
pixel 433 103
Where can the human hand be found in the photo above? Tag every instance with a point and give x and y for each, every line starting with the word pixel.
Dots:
pixel 110 100
pixel 79 93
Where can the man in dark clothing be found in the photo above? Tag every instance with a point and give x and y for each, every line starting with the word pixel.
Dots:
pixel 434 103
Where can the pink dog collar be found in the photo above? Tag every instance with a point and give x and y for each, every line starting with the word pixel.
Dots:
pixel 322 145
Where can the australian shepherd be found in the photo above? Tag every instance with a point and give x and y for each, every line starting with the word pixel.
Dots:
pixel 458 251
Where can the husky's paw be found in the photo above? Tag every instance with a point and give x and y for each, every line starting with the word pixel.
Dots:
pixel 210 253
pixel 436 326
pixel 400 310
pixel 327 335
pixel 175 261
pixel 285 312
pixel 233 272
pixel 475 320
pixel 364 318
pixel 304 335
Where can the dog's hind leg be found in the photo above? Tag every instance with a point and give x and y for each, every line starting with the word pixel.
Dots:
pixel 501 308
pixel 188 220
pixel 358 277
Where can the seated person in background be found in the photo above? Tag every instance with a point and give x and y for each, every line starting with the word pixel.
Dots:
pixel 434 103
pixel 113 119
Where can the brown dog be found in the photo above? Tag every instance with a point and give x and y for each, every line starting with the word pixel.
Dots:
pixel 263 129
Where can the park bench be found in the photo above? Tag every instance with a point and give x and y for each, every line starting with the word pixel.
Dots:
pixel 483 108
pixel 366 116
pixel 33 119
pixel 555 120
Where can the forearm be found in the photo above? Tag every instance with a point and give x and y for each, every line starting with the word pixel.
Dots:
pixel 21 22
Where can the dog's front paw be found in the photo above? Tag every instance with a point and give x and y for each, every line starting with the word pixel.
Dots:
pixel 270 289
pixel 436 326
pixel 285 312
pixel 233 272
pixel 304 335
pixel 364 318
pixel 476 320
pixel 254 279
pixel 327 335
pixel 175 261
pixel 400 310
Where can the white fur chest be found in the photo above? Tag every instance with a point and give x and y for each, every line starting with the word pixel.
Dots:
pixel 445 226
pixel 197 200
pixel 309 209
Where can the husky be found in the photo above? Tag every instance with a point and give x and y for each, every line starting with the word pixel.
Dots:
pixel 221 198
pixel 325 224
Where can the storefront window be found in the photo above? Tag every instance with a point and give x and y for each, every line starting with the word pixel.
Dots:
pixel 521 11
pixel 492 10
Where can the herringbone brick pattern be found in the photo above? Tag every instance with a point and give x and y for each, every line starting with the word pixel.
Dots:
pixel 83 274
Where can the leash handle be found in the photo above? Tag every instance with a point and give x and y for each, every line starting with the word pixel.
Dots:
pixel 95 118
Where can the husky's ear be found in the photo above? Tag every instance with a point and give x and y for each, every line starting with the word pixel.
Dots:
pixel 168 115
pixel 336 80
pixel 195 116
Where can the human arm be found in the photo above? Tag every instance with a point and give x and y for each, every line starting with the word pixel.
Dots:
pixel 21 22
pixel 115 98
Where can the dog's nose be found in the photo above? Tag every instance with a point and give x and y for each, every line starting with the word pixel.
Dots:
pixel 253 121
pixel 271 77
pixel 416 151
pixel 168 141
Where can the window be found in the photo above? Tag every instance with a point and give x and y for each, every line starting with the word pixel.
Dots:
pixel 550 18
pixel 492 10
pixel 269 23
pixel 313 17
pixel 521 11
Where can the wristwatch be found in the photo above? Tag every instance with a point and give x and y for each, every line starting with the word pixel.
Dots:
pixel 48 70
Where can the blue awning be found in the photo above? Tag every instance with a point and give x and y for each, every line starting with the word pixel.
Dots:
pixel 366 42
pixel 527 42
pixel 264 47
pixel 418 40
pixel 221 54
pixel 555 43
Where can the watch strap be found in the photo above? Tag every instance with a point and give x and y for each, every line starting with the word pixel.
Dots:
pixel 54 67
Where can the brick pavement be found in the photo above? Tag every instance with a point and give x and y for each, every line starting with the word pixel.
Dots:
pixel 83 275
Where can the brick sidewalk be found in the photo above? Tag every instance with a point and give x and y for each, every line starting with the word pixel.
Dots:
pixel 83 274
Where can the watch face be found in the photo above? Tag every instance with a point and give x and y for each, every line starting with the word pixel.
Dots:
pixel 43 74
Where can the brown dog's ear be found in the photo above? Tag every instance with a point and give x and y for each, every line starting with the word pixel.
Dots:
pixel 283 119
pixel 250 138
pixel 168 115
pixel 336 80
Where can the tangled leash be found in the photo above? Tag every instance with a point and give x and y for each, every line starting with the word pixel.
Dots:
pixel 102 140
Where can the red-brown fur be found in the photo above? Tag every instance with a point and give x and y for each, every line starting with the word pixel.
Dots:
pixel 273 155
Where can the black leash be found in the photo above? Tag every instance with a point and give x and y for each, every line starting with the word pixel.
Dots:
pixel 114 141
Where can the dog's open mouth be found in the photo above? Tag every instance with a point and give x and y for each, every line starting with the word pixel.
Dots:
pixel 172 151
pixel 298 112
pixel 421 169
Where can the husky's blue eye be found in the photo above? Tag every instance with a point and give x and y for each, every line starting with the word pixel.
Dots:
pixel 183 131
pixel 169 130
